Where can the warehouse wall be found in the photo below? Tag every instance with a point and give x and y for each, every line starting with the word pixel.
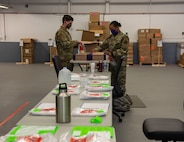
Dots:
pixel 42 27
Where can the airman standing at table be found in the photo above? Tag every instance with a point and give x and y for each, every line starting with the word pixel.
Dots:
pixel 116 46
pixel 65 44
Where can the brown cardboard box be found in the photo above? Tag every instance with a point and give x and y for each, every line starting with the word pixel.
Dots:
pixel 154 30
pixel 141 35
pixel 27 51
pixel 154 47
pixel 53 51
pixel 149 35
pixel 95 27
pixel 28 60
pixel 90 46
pixel 94 16
pixel 156 59
pixel 106 29
pixel 88 36
pixel 81 56
pixel 98 56
pixel 27 40
pixel 145 59
pixel 28 45
pixel 143 41
pixel 144 47
pixel 143 31
pixel 93 23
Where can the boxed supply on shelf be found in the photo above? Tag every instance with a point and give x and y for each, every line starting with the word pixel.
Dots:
pixel 150 46
pixel 94 16
pixel 27 50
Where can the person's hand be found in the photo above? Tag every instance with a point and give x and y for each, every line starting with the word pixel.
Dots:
pixel 108 53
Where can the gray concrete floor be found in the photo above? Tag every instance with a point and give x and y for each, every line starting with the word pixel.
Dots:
pixel 160 88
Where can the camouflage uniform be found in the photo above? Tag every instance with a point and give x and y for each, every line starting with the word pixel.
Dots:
pixel 65 47
pixel 118 46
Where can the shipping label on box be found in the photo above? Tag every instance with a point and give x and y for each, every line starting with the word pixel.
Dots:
pixel 145 59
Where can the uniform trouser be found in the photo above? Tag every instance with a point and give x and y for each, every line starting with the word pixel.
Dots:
pixel 67 64
pixel 121 77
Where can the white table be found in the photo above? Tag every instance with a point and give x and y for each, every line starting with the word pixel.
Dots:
pixel 29 119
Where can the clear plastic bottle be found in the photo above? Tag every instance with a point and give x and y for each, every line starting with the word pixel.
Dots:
pixel 64 76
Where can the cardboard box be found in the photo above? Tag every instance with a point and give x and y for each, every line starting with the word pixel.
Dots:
pixel 106 29
pixel 90 46
pixel 141 35
pixel 144 41
pixel 98 56
pixel 149 35
pixel 154 30
pixel 95 27
pixel 53 51
pixel 26 51
pixel 145 59
pixel 144 47
pixel 28 60
pixel 27 40
pixel 81 56
pixel 94 16
pixel 143 31
pixel 156 59
pixel 88 36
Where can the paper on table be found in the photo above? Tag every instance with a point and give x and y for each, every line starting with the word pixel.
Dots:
pixel 99 88
pixel 76 76
pixel 91 109
pixel 44 109
pixel 99 77
pixel 94 95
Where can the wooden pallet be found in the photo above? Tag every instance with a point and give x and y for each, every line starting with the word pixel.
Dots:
pixel 159 64
pixel 181 65
pixel 22 63
pixel 49 63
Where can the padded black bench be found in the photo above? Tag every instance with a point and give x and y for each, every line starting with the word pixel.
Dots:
pixel 164 129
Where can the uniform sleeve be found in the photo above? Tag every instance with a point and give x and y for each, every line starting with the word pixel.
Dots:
pixel 64 41
pixel 121 48
pixel 104 45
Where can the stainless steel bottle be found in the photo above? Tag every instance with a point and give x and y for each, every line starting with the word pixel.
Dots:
pixel 63 105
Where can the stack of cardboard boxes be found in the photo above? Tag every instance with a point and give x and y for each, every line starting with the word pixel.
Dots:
pixel 150 46
pixel 130 54
pixel 97 32
pixel 27 50
pixel 100 28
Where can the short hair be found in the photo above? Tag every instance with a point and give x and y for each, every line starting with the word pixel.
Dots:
pixel 115 24
pixel 67 18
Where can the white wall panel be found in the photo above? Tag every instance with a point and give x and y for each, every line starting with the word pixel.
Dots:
pixel 40 27
pixel 43 27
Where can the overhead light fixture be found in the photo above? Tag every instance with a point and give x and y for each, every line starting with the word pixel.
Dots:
pixel 3 6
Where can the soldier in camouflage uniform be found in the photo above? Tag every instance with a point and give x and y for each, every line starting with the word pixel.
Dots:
pixel 65 44
pixel 116 46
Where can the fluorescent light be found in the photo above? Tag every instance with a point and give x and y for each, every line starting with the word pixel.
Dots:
pixel 3 6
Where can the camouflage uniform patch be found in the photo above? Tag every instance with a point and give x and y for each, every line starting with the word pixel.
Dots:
pixel 65 47
pixel 118 46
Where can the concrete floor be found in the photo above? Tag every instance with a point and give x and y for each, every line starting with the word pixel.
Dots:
pixel 160 88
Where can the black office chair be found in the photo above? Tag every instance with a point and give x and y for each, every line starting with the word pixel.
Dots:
pixel 57 63
pixel 164 129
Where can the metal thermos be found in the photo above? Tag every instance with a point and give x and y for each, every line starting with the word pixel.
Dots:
pixel 63 103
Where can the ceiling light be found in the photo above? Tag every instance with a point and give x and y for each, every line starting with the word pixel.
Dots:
pixel 3 6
